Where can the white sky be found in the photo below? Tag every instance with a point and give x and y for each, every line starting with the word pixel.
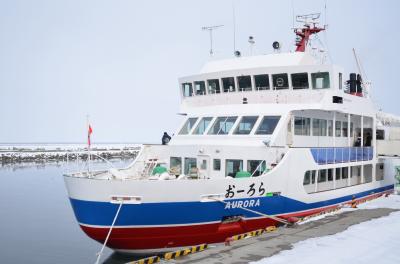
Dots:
pixel 119 61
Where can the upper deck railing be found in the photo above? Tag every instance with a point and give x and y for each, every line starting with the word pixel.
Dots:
pixel 342 155
pixel 257 97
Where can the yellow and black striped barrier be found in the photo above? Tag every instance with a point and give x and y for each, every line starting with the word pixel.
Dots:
pixel 248 234
pixel 149 260
pixel 171 255
pixel 302 219
pixel 270 229
pixel 185 251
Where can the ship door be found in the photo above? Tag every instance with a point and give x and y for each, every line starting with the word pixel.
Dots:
pixel 203 166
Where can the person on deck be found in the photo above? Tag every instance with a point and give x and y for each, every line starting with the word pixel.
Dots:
pixel 368 140
pixel 165 138
pixel 357 143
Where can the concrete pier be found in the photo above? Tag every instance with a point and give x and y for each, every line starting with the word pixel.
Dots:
pixel 268 244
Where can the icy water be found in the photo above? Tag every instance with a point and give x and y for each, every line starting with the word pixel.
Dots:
pixel 37 224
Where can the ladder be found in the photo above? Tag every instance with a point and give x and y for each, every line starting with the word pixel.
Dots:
pixel 150 164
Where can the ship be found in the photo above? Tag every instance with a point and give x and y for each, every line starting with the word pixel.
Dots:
pixel 265 138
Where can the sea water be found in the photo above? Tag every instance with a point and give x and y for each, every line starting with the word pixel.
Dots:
pixel 37 224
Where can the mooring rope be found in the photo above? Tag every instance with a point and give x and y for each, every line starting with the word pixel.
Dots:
pixel 108 234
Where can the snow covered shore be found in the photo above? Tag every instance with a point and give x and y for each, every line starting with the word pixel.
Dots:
pixel 10 154
pixel 374 241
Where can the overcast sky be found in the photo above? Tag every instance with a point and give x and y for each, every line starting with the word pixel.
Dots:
pixel 119 61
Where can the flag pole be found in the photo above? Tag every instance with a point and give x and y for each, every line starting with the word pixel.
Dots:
pixel 88 142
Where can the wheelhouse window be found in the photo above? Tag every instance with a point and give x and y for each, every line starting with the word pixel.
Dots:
pixel 307 178
pixel 228 84
pixel 200 87
pixel 176 165
pixel 267 125
pixel 315 126
pixel 330 128
pixel 217 164
pixel 188 126
pixel 244 83
pixel 323 127
pixel 187 89
pixel 351 129
pixel 330 174
pixel 319 127
pixel 300 80
pixel 338 172
pixel 338 128
pixel 190 166
pixel 380 134
pixel 222 125
pixel 345 172
pixel 213 86
pixel 321 176
pixel 261 82
pixel 280 81
pixel 245 125
pixel 344 129
pixel 255 167
pixel 232 167
pixel 302 126
pixel 202 126
pixel 320 80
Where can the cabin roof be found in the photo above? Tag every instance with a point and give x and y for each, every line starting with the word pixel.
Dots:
pixel 261 61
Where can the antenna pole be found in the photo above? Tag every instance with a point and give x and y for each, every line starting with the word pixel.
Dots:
pixel 357 62
pixel 361 72
pixel 234 25
pixel 210 30
pixel 211 43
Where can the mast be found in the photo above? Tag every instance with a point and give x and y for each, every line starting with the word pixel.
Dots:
pixel 310 27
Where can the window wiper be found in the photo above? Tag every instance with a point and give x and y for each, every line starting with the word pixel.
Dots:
pixel 220 127
pixel 258 167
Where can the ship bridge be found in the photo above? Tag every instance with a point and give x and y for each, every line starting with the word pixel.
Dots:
pixel 266 79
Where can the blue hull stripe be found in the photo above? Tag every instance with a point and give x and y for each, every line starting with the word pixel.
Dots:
pixel 102 213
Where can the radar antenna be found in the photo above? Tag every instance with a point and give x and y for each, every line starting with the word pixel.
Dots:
pixel 309 28
pixel 210 30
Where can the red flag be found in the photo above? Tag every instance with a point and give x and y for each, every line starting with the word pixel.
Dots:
pixel 90 131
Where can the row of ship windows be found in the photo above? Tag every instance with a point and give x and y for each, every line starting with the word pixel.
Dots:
pixel 321 127
pixel 232 166
pixel 322 180
pixel 319 80
pixel 222 125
